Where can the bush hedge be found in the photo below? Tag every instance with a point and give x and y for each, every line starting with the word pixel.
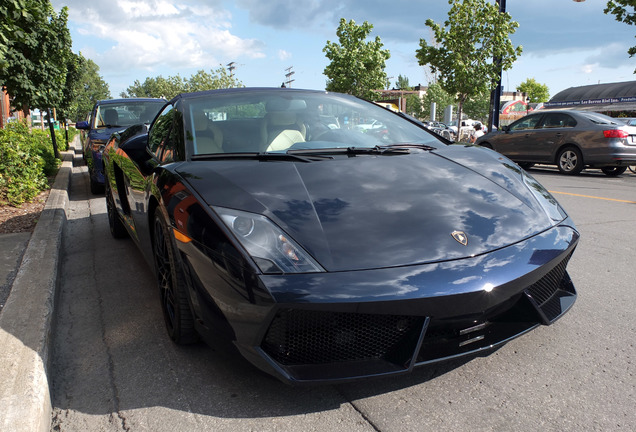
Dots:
pixel 26 159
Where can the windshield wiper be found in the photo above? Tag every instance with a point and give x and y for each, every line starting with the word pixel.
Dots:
pixel 389 150
pixel 261 157
pixel 406 146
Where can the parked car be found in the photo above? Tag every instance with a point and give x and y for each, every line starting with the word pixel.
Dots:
pixel 110 116
pixel 325 253
pixel 569 139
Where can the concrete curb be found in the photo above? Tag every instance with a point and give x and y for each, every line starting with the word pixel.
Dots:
pixel 27 318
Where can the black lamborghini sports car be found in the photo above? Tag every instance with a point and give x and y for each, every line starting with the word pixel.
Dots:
pixel 325 250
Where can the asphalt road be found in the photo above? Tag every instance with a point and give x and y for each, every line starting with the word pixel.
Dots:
pixel 114 368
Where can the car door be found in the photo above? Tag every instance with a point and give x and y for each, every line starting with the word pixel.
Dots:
pixel 164 146
pixel 516 141
pixel 550 134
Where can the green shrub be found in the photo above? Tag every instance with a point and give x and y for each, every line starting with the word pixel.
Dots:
pixel 26 159
pixel 60 135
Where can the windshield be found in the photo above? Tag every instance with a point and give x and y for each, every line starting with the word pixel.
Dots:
pixel 279 121
pixel 126 113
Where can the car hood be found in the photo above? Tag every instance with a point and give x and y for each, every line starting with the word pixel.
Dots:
pixel 373 211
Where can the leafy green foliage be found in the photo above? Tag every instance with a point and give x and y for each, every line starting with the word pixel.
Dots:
pixel 173 85
pixel 414 106
pixel 435 93
pixel 26 159
pixel 477 107
pixel 357 67
pixel 465 45
pixel 402 83
pixel 84 87
pixel 537 92
pixel 36 51
pixel 622 12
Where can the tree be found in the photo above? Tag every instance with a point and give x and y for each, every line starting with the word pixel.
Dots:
pixel 435 93
pixel 217 79
pixel 474 33
pixel 535 91
pixel 478 106
pixel 620 10
pixel 35 50
pixel 157 87
pixel 88 88
pixel 357 67
pixel 414 105
pixel 173 85
pixel 402 83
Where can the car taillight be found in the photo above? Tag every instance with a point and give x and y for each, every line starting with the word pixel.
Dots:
pixel 615 133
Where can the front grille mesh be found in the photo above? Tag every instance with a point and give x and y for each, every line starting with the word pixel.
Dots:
pixel 545 292
pixel 303 337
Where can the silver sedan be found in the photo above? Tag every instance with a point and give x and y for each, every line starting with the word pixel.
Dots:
pixel 570 139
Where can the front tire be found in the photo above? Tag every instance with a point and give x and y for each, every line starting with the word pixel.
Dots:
pixel 117 227
pixel 614 171
pixel 570 161
pixel 96 188
pixel 172 286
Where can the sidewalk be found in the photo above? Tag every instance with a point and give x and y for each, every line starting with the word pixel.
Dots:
pixel 27 316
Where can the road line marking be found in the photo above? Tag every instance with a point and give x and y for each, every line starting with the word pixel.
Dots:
pixel 595 197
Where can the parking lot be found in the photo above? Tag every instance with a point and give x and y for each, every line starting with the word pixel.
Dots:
pixel 114 367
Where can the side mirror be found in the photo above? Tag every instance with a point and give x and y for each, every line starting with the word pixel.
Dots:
pixel 505 128
pixel 82 125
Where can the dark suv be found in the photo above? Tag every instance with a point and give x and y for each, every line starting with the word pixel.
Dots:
pixel 107 117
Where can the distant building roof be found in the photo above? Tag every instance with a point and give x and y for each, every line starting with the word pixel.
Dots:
pixel 597 97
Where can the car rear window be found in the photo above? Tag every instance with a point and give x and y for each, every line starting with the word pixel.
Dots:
pixel 600 119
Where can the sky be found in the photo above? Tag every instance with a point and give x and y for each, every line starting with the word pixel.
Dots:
pixel 565 43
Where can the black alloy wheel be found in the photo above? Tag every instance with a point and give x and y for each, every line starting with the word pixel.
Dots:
pixel 117 227
pixel 570 161
pixel 172 286
pixel 614 171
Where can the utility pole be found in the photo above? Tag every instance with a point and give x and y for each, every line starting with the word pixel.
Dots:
pixel 495 95
pixel 288 79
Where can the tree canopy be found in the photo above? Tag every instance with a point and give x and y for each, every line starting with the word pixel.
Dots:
pixel 357 66
pixel 87 88
pixel 535 91
pixel 622 12
pixel 402 83
pixel 465 45
pixel 435 93
pixel 173 85
pixel 35 53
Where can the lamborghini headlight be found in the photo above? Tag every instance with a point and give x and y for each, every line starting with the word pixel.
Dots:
pixel 545 199
pixel 271 248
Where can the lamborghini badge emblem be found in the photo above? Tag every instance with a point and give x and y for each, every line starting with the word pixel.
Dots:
pixel 461 237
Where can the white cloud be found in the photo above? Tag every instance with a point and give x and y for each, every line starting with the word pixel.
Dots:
pixel 158 34
pixel 284 55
